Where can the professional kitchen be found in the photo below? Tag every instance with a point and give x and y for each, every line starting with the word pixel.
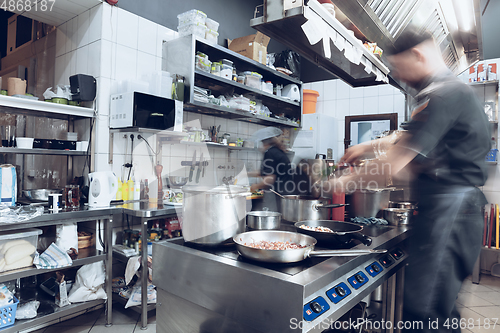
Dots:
pixel 249 166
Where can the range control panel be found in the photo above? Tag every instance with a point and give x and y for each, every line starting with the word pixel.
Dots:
pixel 356 280
pixel 338 293
pixel 314 308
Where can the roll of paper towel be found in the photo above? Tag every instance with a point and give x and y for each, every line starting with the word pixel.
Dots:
pixel 8 184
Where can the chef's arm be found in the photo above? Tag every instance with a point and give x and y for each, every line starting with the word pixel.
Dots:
pixel 366 150
pixel 377 173
pixel 254 173
pixel 266 182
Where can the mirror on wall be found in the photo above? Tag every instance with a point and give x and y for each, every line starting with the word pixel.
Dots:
pixel 359 129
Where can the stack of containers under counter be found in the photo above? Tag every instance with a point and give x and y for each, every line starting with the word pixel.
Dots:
pixel 197 23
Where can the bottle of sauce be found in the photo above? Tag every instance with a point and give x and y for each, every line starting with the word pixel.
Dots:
pixel 119 192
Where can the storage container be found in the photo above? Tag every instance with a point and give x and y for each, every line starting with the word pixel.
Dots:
pixel 226 62
pixel 192 16
pixel 8 314
pixel 252 79
pixel 197 29
pixel 240 103
pixel 203 64
pixel 267 87
pixel 211 36
pixel 226 72
pixel 211 24
pixel 24 143
pixel 17 249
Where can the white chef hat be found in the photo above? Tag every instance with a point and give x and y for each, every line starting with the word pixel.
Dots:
pixel 266 133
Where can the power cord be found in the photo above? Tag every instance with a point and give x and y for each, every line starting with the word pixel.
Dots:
pixel 141 137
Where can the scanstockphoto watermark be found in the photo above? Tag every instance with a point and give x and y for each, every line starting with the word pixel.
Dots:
pixel 356 324
pixel 27 5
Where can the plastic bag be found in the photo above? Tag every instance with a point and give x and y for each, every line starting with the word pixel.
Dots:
pixel 67 237
pixel 27 310
pixel 88 283
pixel 288 59
pixel 135 297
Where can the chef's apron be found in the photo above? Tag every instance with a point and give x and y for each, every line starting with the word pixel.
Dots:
pixel 445 244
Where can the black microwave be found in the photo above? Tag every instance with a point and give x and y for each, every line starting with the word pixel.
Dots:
pixel 136 109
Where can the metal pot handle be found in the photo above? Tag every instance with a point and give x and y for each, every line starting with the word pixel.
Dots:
pixel 362 238
pixel 318 206
pixel 338 253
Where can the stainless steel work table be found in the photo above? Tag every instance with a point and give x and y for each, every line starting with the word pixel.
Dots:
pixel 48 218
pixel 146 211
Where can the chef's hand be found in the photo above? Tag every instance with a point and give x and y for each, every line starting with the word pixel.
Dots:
pixel 254 188
pixel 333 185
pixel 355 153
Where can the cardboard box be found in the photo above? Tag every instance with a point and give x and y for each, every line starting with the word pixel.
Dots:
pixel 251 46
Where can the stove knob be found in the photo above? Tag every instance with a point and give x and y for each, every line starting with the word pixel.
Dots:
pixel 359 278
pixel 375 268
pixel 340 291
pixel 316 307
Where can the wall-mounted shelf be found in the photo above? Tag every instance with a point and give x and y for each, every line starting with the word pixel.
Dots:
pixel 484 83
pixel 179 57
pixel 37 151
pixel 42 108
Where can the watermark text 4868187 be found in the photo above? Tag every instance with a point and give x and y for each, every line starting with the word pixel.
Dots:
pixel 27 5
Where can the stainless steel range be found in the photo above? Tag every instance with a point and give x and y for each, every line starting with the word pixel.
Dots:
pixel 203 289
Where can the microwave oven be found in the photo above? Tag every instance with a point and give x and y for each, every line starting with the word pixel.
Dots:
pixel 135 109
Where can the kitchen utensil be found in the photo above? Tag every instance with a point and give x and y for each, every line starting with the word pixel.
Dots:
pixel 40 194
pixel 193 163
pixel 343 232
pixel 159 169
pixel 208 216
pixel 103 188
pixel 282 197
pixel 198 172
pixel 368 202
pixel 397 216
pixel 291 255
pixel 72 196
pixel 263 220
pixel 177 180
pixel 296 208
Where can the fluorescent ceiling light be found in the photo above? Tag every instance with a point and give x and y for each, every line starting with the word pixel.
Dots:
pixel 449 14
pixel 465 12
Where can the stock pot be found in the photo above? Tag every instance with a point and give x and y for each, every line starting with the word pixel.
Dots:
pixel 296 208
pixel 213 215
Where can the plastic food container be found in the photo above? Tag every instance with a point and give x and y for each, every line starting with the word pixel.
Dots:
pixel 241 79
pixel 192 16
pixel 226 72
pixel 26 143
pixel 203 64
pixel 18 248
pixel 197 29
pixel 252 79
pixel 211 35
pixel 240 103
pixel 211 24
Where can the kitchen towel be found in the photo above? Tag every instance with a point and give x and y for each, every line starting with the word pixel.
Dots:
pixel 52 258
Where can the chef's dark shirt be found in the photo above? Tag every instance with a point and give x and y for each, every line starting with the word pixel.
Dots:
pixel 275 162
pixel 451 134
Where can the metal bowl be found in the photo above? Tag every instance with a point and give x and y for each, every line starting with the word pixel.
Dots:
pixel 398 216
pixel 40 194
pixel 178 180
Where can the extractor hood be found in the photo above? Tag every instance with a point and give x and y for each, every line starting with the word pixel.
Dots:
pixel 380 21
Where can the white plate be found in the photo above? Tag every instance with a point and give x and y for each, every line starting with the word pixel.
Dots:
pixel 165 202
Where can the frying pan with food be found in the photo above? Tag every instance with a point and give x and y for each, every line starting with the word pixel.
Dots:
pixel 244 242
pixel 342 232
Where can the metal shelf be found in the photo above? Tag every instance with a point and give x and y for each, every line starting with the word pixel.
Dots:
pixel 244 87
pixel 92 256
pixel 137 308
pixel 20 325
pixel 484 83
pixel 38 151
pixel 222 111
pixel 54 109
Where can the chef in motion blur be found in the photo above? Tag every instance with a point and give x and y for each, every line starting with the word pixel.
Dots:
pixel 275 171
pixel 444 146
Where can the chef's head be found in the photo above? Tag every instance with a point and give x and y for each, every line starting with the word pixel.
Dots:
pixel 415 57
pixel 268 137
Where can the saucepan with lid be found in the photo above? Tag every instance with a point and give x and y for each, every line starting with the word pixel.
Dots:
pixel 255 245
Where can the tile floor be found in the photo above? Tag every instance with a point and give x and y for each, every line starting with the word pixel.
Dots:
pixel 476 303
pixel 124 321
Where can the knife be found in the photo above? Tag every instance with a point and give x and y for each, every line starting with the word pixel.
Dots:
pixel 192 166
pixel 198 172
